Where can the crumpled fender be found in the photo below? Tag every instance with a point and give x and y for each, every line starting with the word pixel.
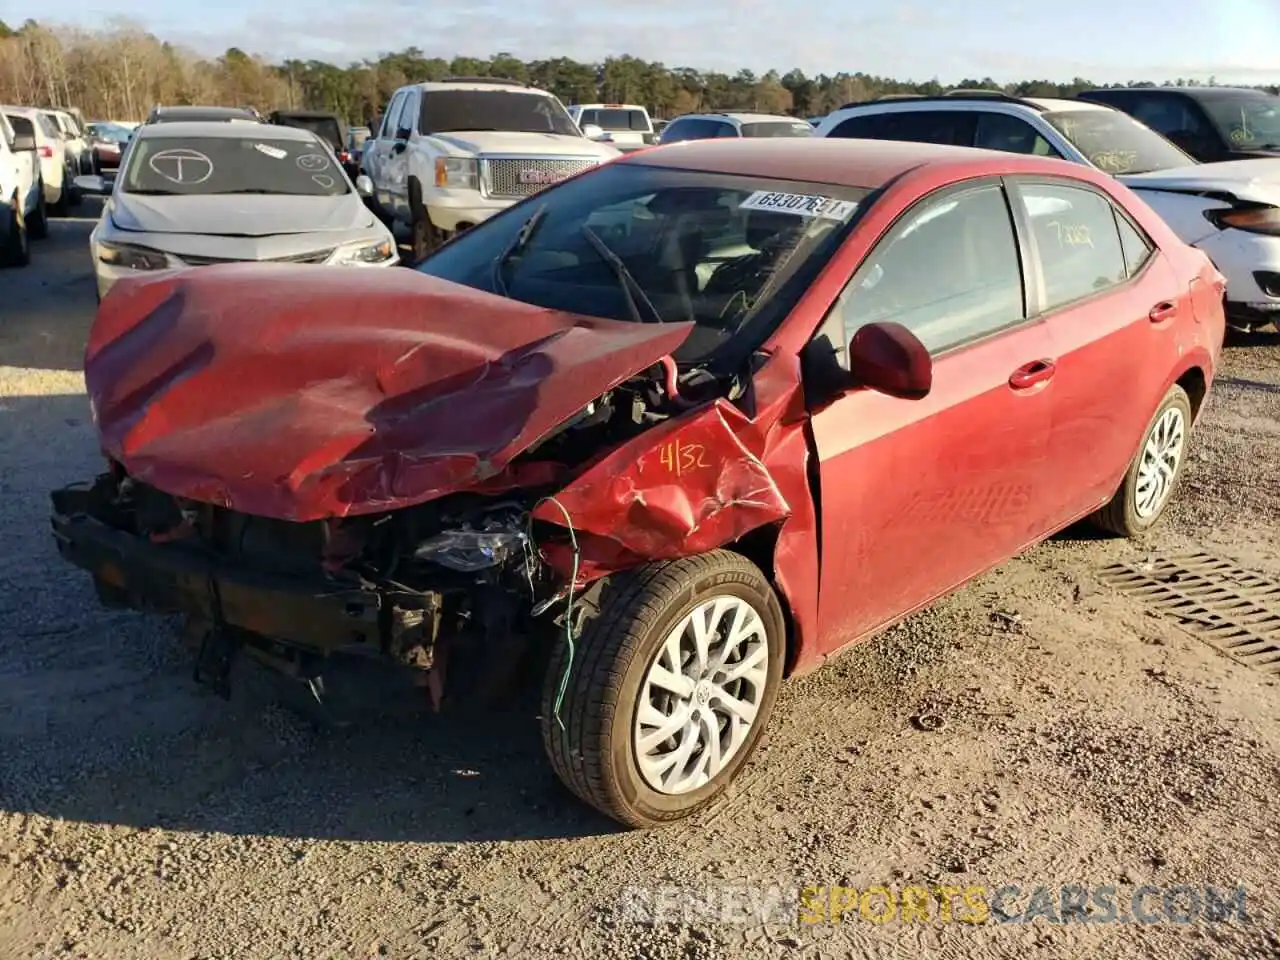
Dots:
pixel 697 482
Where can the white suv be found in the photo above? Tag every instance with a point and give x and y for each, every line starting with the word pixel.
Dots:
pixel 1229 210
pixel 450 154
pixel 21 193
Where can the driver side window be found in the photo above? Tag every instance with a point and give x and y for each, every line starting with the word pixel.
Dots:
pixel 948 271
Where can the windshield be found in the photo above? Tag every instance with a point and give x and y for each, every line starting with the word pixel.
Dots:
pixel 356 137
pixel 730 253
pixel 1116 143
pixel 778 128
pixel 1248 121
pixel 618 120
pixel 216 165
pixel 453 111
pixel 326 128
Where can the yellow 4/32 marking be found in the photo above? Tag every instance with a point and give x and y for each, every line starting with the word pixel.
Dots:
pixel 680 458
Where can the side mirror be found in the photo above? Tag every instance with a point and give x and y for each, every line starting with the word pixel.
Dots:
pixel 364 186
pixel 889 358
pixel 92 184
pixel 24 143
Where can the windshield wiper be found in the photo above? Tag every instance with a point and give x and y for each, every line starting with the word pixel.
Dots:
pixel 515 248
pixel 628 282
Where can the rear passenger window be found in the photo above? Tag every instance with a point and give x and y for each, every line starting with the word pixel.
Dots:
pixel 1076 240
pixel 999 131
pixel 1137 248
pixel 949 272
pixel 860 128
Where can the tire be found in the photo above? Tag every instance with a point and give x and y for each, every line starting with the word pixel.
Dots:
pixel 38 225
pixel 424 238
pixel 61 208
pixel 16 251
pixel 1126 515
pixel 596 755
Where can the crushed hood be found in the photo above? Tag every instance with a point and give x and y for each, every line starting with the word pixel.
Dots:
pixel 1255 180
pixel 302 395
pixel 248 215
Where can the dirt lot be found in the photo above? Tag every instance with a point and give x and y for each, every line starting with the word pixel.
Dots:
pixel 1085 739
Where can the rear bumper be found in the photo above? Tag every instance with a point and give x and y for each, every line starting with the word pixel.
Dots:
pixel 270 611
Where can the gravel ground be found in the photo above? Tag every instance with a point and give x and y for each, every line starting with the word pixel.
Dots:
pixel 1079 738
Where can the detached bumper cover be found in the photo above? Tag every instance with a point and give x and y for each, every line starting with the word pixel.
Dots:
pixel 132 572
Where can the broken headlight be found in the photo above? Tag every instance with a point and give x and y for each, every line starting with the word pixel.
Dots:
pixel 470 550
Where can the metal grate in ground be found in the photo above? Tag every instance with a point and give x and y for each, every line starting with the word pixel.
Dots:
pixel 1235 610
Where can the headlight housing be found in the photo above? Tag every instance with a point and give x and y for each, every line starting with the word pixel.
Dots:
pixel 460 172
pixel 366 254
pixel 1252 218
pixel 131 257
pixel 468 551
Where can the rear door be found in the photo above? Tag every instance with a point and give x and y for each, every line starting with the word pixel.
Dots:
pixel 398 155
pixel 378 149
pixel 1112 305
pixel 916 496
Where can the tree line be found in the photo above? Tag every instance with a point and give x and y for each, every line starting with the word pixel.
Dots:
pixel 121 72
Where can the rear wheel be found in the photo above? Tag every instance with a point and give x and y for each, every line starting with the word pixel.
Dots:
pixel 1153 476
pixel 16 251
pixel 38 225
pixel 424 236
pixel 668 689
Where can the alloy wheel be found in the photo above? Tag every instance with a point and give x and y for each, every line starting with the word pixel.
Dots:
pixel 700 696
pixel 1161 457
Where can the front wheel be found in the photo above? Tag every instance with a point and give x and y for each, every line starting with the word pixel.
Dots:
pixel 668 689
pixel 1149 484
pixel 16 248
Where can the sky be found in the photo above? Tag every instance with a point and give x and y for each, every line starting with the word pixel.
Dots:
pixel 1238 41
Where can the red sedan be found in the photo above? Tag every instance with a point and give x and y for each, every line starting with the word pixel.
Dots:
pixel 682 426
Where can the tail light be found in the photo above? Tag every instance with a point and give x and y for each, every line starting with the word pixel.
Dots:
pixel 46 151
pixel 343 156
pixel 1251 217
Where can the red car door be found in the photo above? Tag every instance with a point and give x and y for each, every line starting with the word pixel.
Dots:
pixel 916 496
pixel 1114 307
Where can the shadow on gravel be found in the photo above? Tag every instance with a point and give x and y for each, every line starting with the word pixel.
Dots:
pixel 1244 384
pixel 102 722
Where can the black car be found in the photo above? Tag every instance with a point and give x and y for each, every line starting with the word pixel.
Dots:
pixel 327 126
pixel 1210 123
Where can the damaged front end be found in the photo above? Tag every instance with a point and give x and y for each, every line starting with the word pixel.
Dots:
pixel 435 489
pixel 409 585
pixel 457 588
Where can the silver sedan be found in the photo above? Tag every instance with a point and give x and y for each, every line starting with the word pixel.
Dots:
pixel 192 194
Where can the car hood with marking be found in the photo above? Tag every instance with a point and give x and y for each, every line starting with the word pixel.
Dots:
pixel 239 215
pixel 477 142
pixel 1251 180
pixel 252 387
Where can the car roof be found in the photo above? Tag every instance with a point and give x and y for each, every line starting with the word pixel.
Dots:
pixel 1197 93
pixel 740 117
pixel 205 112
pixel 849 163
pixel 212 129
pixel 477 84
pixel 610 106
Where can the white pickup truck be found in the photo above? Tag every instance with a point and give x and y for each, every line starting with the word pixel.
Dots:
pixel 22 212
pixel 627 125
pixel 452 153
